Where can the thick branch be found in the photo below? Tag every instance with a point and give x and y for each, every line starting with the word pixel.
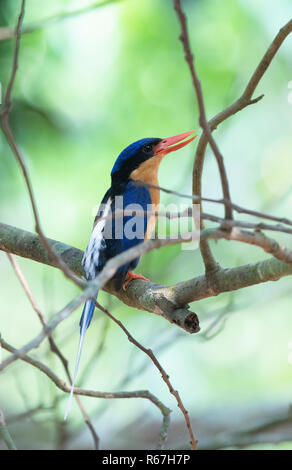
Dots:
pixel 28 245
pixel 169 302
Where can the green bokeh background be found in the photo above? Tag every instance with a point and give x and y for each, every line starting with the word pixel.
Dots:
pixel 86 87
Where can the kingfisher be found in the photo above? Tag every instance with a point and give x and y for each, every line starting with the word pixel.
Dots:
pixel 139 162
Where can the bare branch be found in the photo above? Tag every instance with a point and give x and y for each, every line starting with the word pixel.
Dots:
pixel 29 413
pixel 157 364
pixel 242 102
pixel 11 141
pixel 210 263
pixel 7 99
pixel 46 331
pixel 169 302
pixel 8 32
pixel 26 244
pixel 53 346
pixel 96 394
pixel 273 430
pixel 238 223
pixel 4 433
pixel 184 38
pixel 236 207
pixel 189 213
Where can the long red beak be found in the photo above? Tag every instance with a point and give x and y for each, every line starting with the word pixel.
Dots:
pixel 167 145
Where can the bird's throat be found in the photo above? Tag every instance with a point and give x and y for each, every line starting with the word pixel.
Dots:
pixel 148 173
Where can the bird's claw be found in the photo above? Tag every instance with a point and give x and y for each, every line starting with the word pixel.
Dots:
pixel 132 276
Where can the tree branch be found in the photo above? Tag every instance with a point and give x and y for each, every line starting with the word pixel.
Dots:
pixel 209 261
pixel 4 116
pixel 243 101
pixel 184 38
pixel 164 375
pixel 53 345
pixel 236 207
pixel 277 429
pixel 165 411
pixel 169 302
pixel 8 32
pixel 4 433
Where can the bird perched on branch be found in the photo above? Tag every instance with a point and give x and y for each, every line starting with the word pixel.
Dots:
pixel 112 234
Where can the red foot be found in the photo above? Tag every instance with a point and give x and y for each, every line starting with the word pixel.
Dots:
pixel 132 276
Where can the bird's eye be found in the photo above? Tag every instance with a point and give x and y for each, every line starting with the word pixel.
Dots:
pixel 148 148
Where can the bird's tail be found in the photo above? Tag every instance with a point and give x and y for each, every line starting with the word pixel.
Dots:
pixel 85 320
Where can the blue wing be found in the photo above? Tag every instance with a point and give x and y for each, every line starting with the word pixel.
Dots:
pixel 135 198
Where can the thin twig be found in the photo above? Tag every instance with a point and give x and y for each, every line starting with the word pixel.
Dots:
pixel 211 264
pixel 12 143
pixel 145 394
pixel 157 364
pixel 238 223
pixel 190 213
pixel 242 102
pixel 184 38
pixel 46 331
pixel 5 434
pixel 53 346
pixel 28 414
pixel 236 207
pixel 8 32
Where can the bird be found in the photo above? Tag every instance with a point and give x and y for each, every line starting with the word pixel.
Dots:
pixel 111 235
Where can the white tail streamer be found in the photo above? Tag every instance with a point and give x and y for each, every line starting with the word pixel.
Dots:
pixel 80 346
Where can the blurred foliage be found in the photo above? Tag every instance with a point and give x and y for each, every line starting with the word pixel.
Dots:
pixel 86 87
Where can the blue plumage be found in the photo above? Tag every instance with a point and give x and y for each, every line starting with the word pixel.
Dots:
pixel 134 198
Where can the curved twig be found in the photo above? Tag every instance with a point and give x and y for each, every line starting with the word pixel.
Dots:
pixel 165 411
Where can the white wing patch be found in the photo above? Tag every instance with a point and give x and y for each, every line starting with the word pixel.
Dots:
pixel 96 242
